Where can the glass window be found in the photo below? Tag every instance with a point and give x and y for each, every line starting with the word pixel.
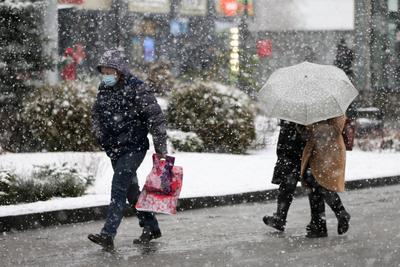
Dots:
pixel 393 5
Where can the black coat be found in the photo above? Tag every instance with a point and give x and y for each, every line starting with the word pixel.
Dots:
pixel 289 151
pixel 344 60
pixel 123 116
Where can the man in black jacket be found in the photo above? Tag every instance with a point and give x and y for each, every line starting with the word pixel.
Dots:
pixel 124 113
pixel 344 60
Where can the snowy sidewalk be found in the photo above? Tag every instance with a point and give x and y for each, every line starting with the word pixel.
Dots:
pixel 205 174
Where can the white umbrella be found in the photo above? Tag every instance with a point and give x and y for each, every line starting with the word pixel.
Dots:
pixel 306 93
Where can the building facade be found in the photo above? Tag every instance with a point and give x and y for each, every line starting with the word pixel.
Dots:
pixel 148 31
pixel 378 44
pixel 371 29
pixel 300 30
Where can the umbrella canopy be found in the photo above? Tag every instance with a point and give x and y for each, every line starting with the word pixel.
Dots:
pixel 306 93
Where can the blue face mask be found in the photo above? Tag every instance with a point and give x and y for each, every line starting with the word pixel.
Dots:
pixel 109 80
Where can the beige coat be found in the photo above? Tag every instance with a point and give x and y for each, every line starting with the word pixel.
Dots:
pixel 325 153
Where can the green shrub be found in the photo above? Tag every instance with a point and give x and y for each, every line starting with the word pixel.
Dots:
pixel 62 181
pixel 185 141
pixel 7 187
pixel 223 117
pixel 44 183
pixel 58 118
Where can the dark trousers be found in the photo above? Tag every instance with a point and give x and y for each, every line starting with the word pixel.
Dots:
pixel 285 197
pixel 125 187
pixel 317 197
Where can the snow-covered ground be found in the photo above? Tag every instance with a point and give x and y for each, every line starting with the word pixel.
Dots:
pixel 205 174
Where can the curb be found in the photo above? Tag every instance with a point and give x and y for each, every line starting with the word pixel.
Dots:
pixel 59 217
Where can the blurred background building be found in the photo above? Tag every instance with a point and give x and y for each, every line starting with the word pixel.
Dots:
pixel 192 33
pixel 148 31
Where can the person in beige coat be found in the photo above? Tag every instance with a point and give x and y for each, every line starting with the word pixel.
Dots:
pixel 325 156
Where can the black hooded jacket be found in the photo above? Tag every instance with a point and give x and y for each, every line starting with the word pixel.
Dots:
pixel 124 114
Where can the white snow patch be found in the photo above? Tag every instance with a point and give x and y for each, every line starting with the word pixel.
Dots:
pixel 205 174
pixel 17 4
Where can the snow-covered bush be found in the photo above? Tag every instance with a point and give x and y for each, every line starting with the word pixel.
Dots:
pixel 58 118
pixel 65 181
pixel 23 62
pixel 160 77
pixel 44 183
pixel 185 141
pixel 222 116
pixel 7 187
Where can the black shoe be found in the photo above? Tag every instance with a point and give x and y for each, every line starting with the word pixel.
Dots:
pixel 343 222
pixel 103 240
pixel 316 229
pixel 147 236
pixel 275 222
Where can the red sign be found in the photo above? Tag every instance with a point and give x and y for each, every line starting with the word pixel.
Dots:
pixel 264 48
pixel 229 7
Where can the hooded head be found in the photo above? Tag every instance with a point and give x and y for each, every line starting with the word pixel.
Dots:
pixel 114 59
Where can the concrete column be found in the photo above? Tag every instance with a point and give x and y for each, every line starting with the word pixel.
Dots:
pixel 363 28
pixel 50 29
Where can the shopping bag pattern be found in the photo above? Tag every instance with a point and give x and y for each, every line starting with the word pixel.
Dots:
pixel 159 178
pixel 154 198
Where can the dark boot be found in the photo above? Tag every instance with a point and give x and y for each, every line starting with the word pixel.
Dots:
pixel 317 229
pixel 284 200
pixel 147 235
pixel 275 222
pixel 317 225
pixel 343 222
pixel 103 240
pixel 335 203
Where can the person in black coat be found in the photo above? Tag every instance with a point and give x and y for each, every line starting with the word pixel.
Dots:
pixel 286 174
pixel 125 111
pixel 344 60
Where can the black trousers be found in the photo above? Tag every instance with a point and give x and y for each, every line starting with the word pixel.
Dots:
pixel 285 197
pixel 125 186
pixel 318 196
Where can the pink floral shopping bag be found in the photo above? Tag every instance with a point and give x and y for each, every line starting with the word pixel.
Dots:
pixel 162 187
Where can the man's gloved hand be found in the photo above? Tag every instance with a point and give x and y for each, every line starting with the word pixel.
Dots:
pixel 162 156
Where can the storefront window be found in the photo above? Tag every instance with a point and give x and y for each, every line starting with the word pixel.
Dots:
pixel 137 50
pixel 145 47
pixel 148 49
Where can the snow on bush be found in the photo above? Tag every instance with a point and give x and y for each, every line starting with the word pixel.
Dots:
pixel 58 118
pixel 44 183
pixel 185 141
pixel 7 192
pixel 160 77
pixel 23 63
pixel 222 116
pixel 17 4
